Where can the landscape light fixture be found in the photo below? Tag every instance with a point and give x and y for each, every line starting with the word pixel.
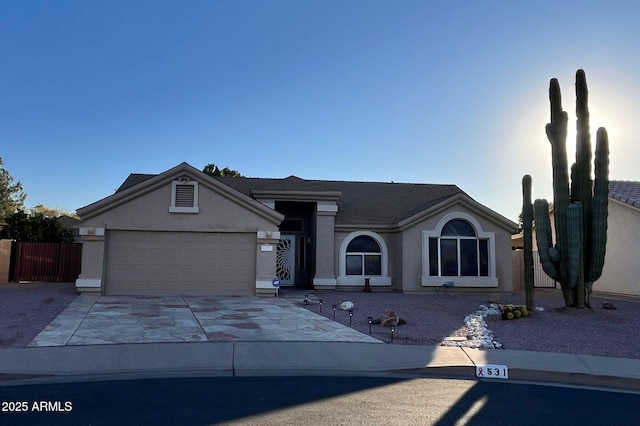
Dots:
pixel 334 311
pixel 370 321
pixel 321 302
pixel 306 299
pixel 350 316
pixel 393 330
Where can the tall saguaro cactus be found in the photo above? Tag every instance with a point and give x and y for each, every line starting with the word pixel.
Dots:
pixel 527 225
pixel 580 209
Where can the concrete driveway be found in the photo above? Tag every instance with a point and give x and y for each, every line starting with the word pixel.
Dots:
pixel 99 320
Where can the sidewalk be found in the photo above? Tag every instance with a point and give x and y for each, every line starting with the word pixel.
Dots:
pixel 106 362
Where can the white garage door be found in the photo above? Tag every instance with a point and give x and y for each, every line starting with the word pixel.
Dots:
pixel 160 263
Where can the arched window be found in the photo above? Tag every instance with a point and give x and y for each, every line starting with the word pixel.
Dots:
pixel 458 252
pixel 363 256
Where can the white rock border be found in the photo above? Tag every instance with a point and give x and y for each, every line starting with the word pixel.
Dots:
pixel 478 335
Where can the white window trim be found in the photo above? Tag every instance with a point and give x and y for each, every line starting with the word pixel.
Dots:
pixel 428 280
pixel 351 280
pixel 173 208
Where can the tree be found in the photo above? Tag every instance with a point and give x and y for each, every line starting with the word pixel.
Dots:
pixel 36 228
pixel 213 170
pixel 11 194
pixel 51 212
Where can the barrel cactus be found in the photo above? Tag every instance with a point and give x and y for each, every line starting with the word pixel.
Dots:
pixel 580 207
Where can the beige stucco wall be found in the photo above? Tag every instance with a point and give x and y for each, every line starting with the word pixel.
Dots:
pixel 412 253
pixel 5 260
pixel 504 262
pixel 92 267
pixel 517 265
pixel 412 250
pixel 622 262
pixel 396 259
pixel 325 276
pixel 150 211
pixel 266 264
pixel 388 281
pixel 405 253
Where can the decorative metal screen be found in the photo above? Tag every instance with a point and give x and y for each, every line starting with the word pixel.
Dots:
pixel 286 260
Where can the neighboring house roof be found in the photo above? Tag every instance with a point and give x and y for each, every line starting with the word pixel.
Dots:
pixel 627 192
pixel 134 179
pixel 359 203
pixel 68 221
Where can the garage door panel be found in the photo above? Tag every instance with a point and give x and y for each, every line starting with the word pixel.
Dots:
pixel 180 263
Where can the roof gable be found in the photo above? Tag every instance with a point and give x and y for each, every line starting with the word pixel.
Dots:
pixel 138 184
pixel 462 199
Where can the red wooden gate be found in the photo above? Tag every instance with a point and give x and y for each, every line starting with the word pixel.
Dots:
pixel 50 262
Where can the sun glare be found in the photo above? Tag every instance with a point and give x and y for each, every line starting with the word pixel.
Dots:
pixel 572 134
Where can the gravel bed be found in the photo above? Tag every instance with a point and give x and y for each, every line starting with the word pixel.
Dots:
pixel 432 317
pixel 26 309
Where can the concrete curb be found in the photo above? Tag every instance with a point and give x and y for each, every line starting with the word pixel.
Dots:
pixel 258 358
pixel 108 362
pixel 63 361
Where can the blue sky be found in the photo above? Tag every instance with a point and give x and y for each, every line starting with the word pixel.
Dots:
pixel 404 91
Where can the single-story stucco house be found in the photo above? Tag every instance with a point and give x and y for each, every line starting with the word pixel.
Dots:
pixel 184 232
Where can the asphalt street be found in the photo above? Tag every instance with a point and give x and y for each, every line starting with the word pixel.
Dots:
pixel 312 401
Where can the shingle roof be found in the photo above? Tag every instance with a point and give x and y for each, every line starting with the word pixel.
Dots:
pixel 375 203
pixel 627 192
pixel 134 179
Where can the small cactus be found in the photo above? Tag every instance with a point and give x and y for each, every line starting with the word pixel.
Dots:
pixel 510 312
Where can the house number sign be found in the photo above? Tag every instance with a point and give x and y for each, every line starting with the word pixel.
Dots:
pixel 492 371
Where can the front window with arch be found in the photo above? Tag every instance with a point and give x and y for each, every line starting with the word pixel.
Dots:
pixel 458 252
pixel 363 256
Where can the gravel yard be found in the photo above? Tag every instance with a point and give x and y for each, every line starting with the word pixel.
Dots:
pixel 431 318
pixel 25 309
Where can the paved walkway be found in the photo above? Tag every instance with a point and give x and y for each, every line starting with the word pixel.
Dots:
pixel 100 320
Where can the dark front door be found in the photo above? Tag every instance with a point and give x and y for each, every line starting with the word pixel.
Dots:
pixel 295 254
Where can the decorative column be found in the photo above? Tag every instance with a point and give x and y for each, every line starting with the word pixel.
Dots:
pixel 267 243
pixel 325 277
pixel 91 272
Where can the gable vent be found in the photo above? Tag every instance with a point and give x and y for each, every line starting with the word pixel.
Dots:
pixel 185 196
